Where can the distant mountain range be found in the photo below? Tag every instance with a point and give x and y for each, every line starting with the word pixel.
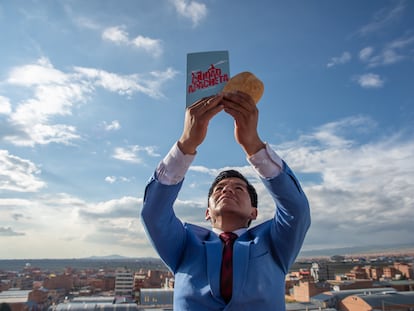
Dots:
pixel 360 250
pixel 118 260
pixel 93 262
pixel 353 250
pixel 108 257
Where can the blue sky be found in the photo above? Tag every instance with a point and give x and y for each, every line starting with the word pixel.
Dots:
pixel 92 96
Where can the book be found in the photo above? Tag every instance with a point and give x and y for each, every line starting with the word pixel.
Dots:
pixel 207 73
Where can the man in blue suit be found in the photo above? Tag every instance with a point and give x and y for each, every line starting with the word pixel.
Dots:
pixel 262 255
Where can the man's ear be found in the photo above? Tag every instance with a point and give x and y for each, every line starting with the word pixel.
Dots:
pixel 253 214
pixel 208 217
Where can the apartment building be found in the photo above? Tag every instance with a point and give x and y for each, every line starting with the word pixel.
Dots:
pixel 379 301
pixel 124 282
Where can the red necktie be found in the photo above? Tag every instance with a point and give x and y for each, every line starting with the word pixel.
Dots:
pixel 226 280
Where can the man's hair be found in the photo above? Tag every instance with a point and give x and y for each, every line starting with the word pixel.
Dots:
pixel 236 174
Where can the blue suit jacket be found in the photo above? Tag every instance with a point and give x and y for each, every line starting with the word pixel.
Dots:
pixel 261 257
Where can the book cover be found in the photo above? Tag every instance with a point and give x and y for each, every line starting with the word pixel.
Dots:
pixel 207 73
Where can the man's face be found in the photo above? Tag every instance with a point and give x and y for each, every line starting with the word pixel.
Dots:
pixel 230 198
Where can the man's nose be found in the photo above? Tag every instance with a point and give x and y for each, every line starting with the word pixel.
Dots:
pixel 228 188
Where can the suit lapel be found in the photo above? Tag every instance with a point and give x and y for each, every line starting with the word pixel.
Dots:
pixel 240 265
pixel 213 255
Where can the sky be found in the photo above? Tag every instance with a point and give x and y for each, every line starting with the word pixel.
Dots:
pixel 92 96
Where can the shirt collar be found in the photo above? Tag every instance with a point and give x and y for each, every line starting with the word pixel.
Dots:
pixel 239 232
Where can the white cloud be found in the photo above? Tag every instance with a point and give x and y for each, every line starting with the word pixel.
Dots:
pixel 157 78
pixel 115 34
pixel 193 10
pixel 72 227
pixel 247 171
pixel 56 93
pixel 126 85
pixel 113 126
pixel 86 23
pixel 365 189
pixel 366 53
pixel 119 35
pixel 5 106
pixel 125 207
pixel 125 179
pixel 369 81
pixel 128 154
pixel 131 153
pixel 150 150
pixel 114 179
pixel 390 56
pixel 387 57
pixel 7 231
pixel 340 60
pixel 17 174
pixel 396 51
pixel 116 222
pixel 40 73
pixel 383 18
pixel 401 43
pixel 110 179
pixel 152 46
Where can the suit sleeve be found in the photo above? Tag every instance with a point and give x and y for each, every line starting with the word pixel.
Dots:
pixel 165 231
pixel 292 216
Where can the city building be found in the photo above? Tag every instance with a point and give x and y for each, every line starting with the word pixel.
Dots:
pixel 332 299
pixel 314 285
pixel 379 301
pixel 406 270
pixel 96 303
pixel 156 296
pixel 15 298
pixel 124 282
pixel 63 281
pixel 304 290
pixel 321 272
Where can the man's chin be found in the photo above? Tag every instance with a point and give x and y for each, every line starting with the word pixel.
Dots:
pixel 226 201
pixel 229 208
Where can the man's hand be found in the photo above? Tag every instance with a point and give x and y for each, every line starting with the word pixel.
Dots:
pixel 246 115
pixel 197 118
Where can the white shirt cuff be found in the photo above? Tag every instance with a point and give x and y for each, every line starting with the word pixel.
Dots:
pixel 172 169
pixel 266 162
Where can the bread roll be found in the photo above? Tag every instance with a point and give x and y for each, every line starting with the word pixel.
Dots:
pixel 246 82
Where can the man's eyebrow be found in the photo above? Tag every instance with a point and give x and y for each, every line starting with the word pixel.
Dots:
pixel 237 183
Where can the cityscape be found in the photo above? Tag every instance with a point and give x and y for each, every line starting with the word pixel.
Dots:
pixel 376 281
pixel 93 96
